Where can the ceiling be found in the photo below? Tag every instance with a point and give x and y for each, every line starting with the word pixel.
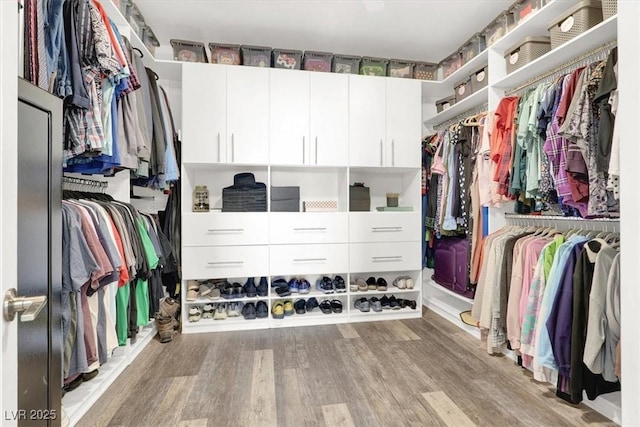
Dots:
pixel 421 30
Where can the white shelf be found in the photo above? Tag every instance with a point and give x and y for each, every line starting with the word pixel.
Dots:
pixel 597 36
pixel 403 313
pixel 435 89
pixel 391 290
pixel 476 99
pixel 76 403
pixel 238 323
pixel 462 73
pixel 462 298
pixel 205 300
pixel 316 317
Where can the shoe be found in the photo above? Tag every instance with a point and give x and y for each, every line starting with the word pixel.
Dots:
pixel 409 283
pixel 362 304
pixel 325 306
pixel 164 325
pixel 371 284
pixel 195 313
pixel 277 310
pixel 362 285
pixel 214 295
pixel 88 376
pixel 204 289
pixel 404 303
pixel 249 311
pixel 263 287
pixel 237 290
pixel 73 384
pixel 227 292
pixel 168 307
pixel 384 302
pixel 375 304
pixel 312 304
pixel 221 311
pixel 192 290
pixel 325 285
pixel 283 291
pixel 393 303
pixel 399 282
pixel 338 284
pixel 207 312
pixel 353 286
pixel 262 310
pixel 336 306
pixel 234 309
pixel 305 286
pixel 250 289
pixel 278 283
pixel 300 306
pixel 294 285
pixel 288 308
pixel 381 284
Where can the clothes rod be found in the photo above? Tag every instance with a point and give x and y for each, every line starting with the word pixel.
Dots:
pixel 470 112
pixel 560 218
pixel 567 66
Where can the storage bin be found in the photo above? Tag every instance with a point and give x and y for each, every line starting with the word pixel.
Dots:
pixel 370 66
pixel 479 79
pixel 123 6
pixel 400 68
pixel 524 9
pixel 256 56
pixel 463 89
pixel 245 195
pixel 473 47
pixel 150 40
pixel 188 51
pixel 225 53
pixel 609 8
pixel 346 64
pixel 450 64
pixel 136 20
pixel 445 103
pixel 359 198
pixel 286 58
pixel 317 61
pixel 320 206
pixel 425 71
pixel 575 21
pixel 525 52
pixel 500 26
pixel 285 199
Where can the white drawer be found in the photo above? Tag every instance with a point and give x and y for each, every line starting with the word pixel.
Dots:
pixel 384 226
pixel 212 229
pixel 370 257
pixel 308 259
pixel 307 227
pixel 228 261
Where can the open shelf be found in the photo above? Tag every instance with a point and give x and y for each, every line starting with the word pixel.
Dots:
pixel 466 70
pixel 229 324
pixel 403 313
pixel 391 290
pixel 316 317
pixel 476 99
pixel 462 298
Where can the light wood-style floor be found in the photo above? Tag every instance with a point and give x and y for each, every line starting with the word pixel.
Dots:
pixel 423 372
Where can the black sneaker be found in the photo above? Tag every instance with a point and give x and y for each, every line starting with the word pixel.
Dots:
pixel 278 283
pixel 404 303
pixel 300 306
pixel 262 310
pixel 312 304
pixel 384 302
pixel 339 285
pixel 325 306
pixel 227 292
pixel 249 311
pixel 263 287
pixel 325 285
pixel 250 288
pixel 283 291
pixel 237 290
pixel 393 303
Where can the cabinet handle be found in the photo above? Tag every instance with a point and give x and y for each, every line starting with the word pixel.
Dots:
pixel 228 230
pixel 310 229
pixel 218 146
pixel 393 152
pixel 309 259
pixel 376 229
pixel 233 148
pixel 395 258
pixel 216 263
pixel 316 150
pixel 380 152
pixel 303 150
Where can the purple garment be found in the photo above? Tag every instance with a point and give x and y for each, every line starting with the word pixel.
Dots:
pixel 560 319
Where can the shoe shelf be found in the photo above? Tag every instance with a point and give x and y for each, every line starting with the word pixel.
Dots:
pixel 205 300
pixel 238 323
pixel 316 317
pixel 389 292
pixel 444 290
pixel 386 314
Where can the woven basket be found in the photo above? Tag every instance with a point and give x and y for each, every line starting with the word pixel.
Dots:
pixel 609 8
pixel 531 48
pixel 583 16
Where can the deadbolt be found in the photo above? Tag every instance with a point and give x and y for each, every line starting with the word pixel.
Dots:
pixel 30 307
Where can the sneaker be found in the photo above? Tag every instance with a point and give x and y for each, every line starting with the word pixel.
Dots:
pixel 362 304
pixel 400 282
pixel 384 302
pixel 249 311
pixel 371 284
pixel 278 283
pixel 393 303
pixel 294 285
pixel 195 313
pixel 375 304
pixel 381 284
pixel 300 306
pixel 312 304
pixel 237 290
pixel 305 286
pixel 409 283
pixel 404 303
pixel 221 311
pixel 362 285
pixel 234 309
pixel 262 310
pixel 325 306
pixel 338 284
pixel 227 291
pixel 277 310
pixel 250 288
pixel 325 285
pixel 207 312
pixel 288 308
pixel 283 291
pixel 336 306
pixel 263 287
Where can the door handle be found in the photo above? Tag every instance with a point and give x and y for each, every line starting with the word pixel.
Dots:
pixel 316 150
pixel 218 146
pixel 30 307
pixel 380 152
pixel 375 229
pixel 303 150
pixel 386 258
pixel 393 152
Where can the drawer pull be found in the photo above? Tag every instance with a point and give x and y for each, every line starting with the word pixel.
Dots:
pixel 387 258
pixel 309 259
pixel 378 229
pixel 215 263
pixel 310 229
pixel 225 230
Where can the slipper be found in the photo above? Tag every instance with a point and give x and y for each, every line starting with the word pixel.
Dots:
pixel 381 284
pixel 371 284
pixel 325 306
pixel 204 290
pixel 192 295
pixel 353 286
pixel 409 283
pixel 400 282
pixel 362 285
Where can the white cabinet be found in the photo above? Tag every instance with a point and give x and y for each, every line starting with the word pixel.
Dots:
pixel 224 261
pixel 367 257
pixel 384 227
pixel 309 228
pixel 308 259
pixel 216 229
pixel 329 119
pixel 404 127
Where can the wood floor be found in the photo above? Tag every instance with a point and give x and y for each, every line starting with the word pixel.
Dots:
pixel 422 372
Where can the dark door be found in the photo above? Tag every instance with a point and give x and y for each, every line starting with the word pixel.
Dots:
pixel 39 249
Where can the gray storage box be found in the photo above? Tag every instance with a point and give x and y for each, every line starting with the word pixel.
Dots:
pixel 425 71
pixel 370 66
pixel 445 103
pixel 500 26
pixel 575 21
pixel 256 56
pixel 463 89
pixel 531 48
pixel 188 51
pixel 400 68
pixel 346 64
pixel 317 61
pixel 359 198
pixel 288 59
pixel 285 199
pixel 479 79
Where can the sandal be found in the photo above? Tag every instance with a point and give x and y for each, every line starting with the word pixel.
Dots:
pixel 336 306
pixel 325 306
pixel 362 285
pixel 195 313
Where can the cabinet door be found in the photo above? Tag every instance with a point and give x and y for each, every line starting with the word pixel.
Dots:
pixel 329 123
pixel 289 123
pixel 224 261
pixel 404 127
pixel 248 115
pixel 204 113
pixel 367 117
pixel 401 256
pixel 308 259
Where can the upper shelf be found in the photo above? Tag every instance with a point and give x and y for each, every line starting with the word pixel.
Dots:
pixel 599 35
pixel 476 99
